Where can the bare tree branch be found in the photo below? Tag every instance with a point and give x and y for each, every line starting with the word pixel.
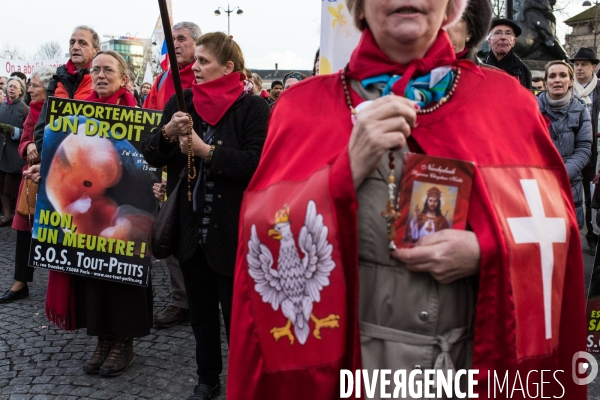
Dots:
pixel 498 9
pixel 11 52
pixel 49 50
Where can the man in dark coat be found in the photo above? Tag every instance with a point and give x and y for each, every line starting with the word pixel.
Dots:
pixel 502 38
pixel 587 88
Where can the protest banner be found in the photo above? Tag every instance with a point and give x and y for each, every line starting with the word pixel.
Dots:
pixel 7 66
pixel 593 308
pixel 95 205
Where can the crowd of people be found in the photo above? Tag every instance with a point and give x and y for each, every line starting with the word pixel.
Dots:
pixel 257 169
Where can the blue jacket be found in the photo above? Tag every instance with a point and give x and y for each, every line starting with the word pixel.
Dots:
pixel 571 132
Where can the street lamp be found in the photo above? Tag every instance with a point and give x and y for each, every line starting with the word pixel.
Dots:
pixel 228 11
pixel 588 3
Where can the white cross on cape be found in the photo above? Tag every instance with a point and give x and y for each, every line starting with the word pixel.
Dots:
pixel 544 231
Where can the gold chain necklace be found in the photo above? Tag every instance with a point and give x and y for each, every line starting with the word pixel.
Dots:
pixel 391 213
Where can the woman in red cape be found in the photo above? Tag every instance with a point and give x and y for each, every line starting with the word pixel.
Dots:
pixel 317 289
pixel 114 312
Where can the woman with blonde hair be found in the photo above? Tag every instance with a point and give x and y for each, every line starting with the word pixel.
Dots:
pixel 570 126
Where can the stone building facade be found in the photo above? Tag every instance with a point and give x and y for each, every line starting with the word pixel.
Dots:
pixel 583 25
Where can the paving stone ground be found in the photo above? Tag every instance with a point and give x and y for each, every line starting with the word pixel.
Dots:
pixel 38 361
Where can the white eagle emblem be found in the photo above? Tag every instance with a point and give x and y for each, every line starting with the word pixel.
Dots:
pixel 296 283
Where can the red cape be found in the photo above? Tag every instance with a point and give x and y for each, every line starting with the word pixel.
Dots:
pixel 158 97
pixel 305 158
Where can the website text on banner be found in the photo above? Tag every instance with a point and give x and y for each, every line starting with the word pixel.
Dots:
pixel 95 205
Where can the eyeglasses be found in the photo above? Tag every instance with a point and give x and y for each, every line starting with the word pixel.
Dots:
pixel 499 34
pixel 35 85
pixel 107 71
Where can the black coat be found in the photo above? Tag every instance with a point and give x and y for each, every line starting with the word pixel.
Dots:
pixel 594 116
pixel 238 138
pixel 71 84
pixel 13 114
pixel 513 66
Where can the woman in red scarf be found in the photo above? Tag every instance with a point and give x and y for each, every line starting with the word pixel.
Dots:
pixel 228 129
pixel 99 303
pixel 317 288
pixel 40 78
pixel 114 312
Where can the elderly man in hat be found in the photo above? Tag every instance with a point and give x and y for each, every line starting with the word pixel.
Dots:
pixel 587 89
pixel 502 38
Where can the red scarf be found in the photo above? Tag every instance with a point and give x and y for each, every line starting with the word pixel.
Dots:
pixel 35 107
pixel 213 99
pixel 60 301
pixel 71 68
pixel 121 97
pixel 369 60
pixel 461 54
pixel 187 79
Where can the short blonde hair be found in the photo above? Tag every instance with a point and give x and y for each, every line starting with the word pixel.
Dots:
pixel 120 61
pixel 559 62
pixel 21 85
pixel 257 80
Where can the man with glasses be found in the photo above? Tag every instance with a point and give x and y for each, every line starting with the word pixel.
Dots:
pixel 502 38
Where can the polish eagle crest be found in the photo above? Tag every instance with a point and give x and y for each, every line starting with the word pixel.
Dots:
pixel 297 282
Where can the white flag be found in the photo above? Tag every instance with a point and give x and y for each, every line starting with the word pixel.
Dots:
pixel 339 36
pixel 158 32
pixel 148 77
pixel 159 36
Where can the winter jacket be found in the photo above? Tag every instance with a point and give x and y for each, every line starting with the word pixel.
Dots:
pixel 64 85
pixel 513 66
pixel 239 138
pixel 571 132
pixel 12 114
pixel 595 115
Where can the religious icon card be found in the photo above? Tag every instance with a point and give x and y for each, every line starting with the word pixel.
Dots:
pixel 433 195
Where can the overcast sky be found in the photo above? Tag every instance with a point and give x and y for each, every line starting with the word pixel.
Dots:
pixel 269 31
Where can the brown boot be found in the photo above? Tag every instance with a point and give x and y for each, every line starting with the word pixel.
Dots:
pixel 119 358
pixel 92 366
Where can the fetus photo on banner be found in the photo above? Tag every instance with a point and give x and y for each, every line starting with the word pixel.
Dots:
pixel 95 205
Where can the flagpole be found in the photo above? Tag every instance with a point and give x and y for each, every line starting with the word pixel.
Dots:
pixel 166 23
